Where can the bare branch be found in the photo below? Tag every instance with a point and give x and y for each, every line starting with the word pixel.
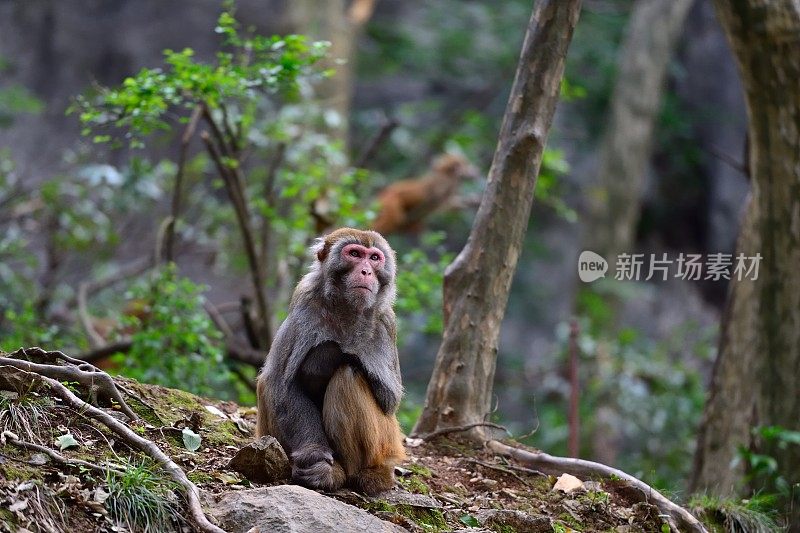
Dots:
pixel 188 133
pixel 459 429
pixel 376 142
pixel 10 437
pixel 679 518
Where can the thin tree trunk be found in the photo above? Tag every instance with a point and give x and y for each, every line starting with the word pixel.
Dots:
pixel 335 21
pixel 653 30
pixel 758 371
pixel 476 284
pixel 615 198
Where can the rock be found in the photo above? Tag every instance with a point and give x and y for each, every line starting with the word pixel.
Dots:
pixel 403 497
pixel 291 509
pixel 503 519
pixel 262 461
pixel 568 483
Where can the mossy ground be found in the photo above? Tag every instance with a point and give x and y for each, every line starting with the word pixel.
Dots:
pixel 445 485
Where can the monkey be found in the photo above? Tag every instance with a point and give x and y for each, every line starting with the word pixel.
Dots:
pixel 405 204
pixel 331 385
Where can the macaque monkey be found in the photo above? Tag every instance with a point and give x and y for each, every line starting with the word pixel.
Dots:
pixel 405 204
pixel 331 385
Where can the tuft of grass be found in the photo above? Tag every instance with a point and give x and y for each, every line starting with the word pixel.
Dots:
pixel 25 415
pixel 142 500
pixel 729 515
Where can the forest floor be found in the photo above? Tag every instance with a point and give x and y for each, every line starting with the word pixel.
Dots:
pixel 444 485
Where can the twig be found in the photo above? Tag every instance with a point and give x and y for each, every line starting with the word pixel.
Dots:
pixel 217 319
pixel 371 149
pixel 188 133
pixel 247 380
pixel 146 446
pixel 269 197
pixel 94 379
pixel 134 268
pixel 233 186
pixel 500 468
pixel 10 437
pixel 95 339
pixel 679 518
pixel 457 429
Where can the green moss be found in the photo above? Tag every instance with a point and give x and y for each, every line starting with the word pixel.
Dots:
pixel 420 470
pixel 414 484
pixel 18 471
pixel 200 477
pixel 428 519
pixel 570 520
pixel 224 433
pixel 503 528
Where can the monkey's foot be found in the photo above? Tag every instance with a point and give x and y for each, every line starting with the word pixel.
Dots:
pixel 373 480
pixel 321 475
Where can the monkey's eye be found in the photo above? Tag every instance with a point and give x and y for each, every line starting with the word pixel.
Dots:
pixel 375 257
pixel 354 253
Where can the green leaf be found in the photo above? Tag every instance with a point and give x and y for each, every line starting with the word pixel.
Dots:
pixel 66 441
pixel 191 439
pixel 469 520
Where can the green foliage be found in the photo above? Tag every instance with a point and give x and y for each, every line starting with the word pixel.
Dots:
pixel 646 394
pixel 727 515
pixel 244 72
pixel 15 100
pixel 419 285
pixel 175 344
pixel 142 500
pixel 763 469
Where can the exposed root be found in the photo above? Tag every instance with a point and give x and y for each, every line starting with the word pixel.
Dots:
pixel 91 377
pixel 459 429
pixel 7 436
pixel 128 436
pixel 678 518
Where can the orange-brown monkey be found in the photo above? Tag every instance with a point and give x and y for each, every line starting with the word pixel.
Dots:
pixel 331 384
pixel 406 203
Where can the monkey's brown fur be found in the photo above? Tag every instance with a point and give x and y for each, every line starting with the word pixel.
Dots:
pixel 346 348
pixel 404 205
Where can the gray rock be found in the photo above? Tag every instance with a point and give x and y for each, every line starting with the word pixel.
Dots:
pixel 291 509
pixel 262 461
pixel 517 520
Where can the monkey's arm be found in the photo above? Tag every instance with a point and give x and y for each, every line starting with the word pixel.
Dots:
pixel 382 369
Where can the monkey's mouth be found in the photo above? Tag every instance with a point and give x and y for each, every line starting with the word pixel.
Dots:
pixel 363 287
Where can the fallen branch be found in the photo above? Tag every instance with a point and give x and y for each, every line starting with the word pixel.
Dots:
pixel 500 468
pixel 7 436
pixel 91 377
pixel 458 429
pixel 679 519
pixel 131 438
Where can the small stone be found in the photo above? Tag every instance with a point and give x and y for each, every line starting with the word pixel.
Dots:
pixel 568 483
pixel 262 461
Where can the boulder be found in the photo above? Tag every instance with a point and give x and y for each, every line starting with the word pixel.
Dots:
pixel 291 509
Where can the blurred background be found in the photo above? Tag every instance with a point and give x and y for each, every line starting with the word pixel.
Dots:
pixel 646 155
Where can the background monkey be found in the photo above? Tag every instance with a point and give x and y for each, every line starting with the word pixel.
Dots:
pixel 404 205
pixel 331 383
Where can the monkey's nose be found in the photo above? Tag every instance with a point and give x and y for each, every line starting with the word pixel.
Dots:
pixel 366 273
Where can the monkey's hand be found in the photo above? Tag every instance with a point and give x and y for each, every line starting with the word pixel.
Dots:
pixel 388 399
pixel 313 466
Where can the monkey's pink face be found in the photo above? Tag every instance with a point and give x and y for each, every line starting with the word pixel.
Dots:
pixel 365 263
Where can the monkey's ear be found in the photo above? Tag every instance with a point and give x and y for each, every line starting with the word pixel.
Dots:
pixel 321 249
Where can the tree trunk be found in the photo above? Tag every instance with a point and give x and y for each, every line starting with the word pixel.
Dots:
pixel 757 376
pixel 653 29
pixel 476 284
pixel 615 199
pixel 334 21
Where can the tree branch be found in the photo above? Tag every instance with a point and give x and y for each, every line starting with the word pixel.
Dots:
pixel 679 518
pixel 376 142
pixel 188 133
